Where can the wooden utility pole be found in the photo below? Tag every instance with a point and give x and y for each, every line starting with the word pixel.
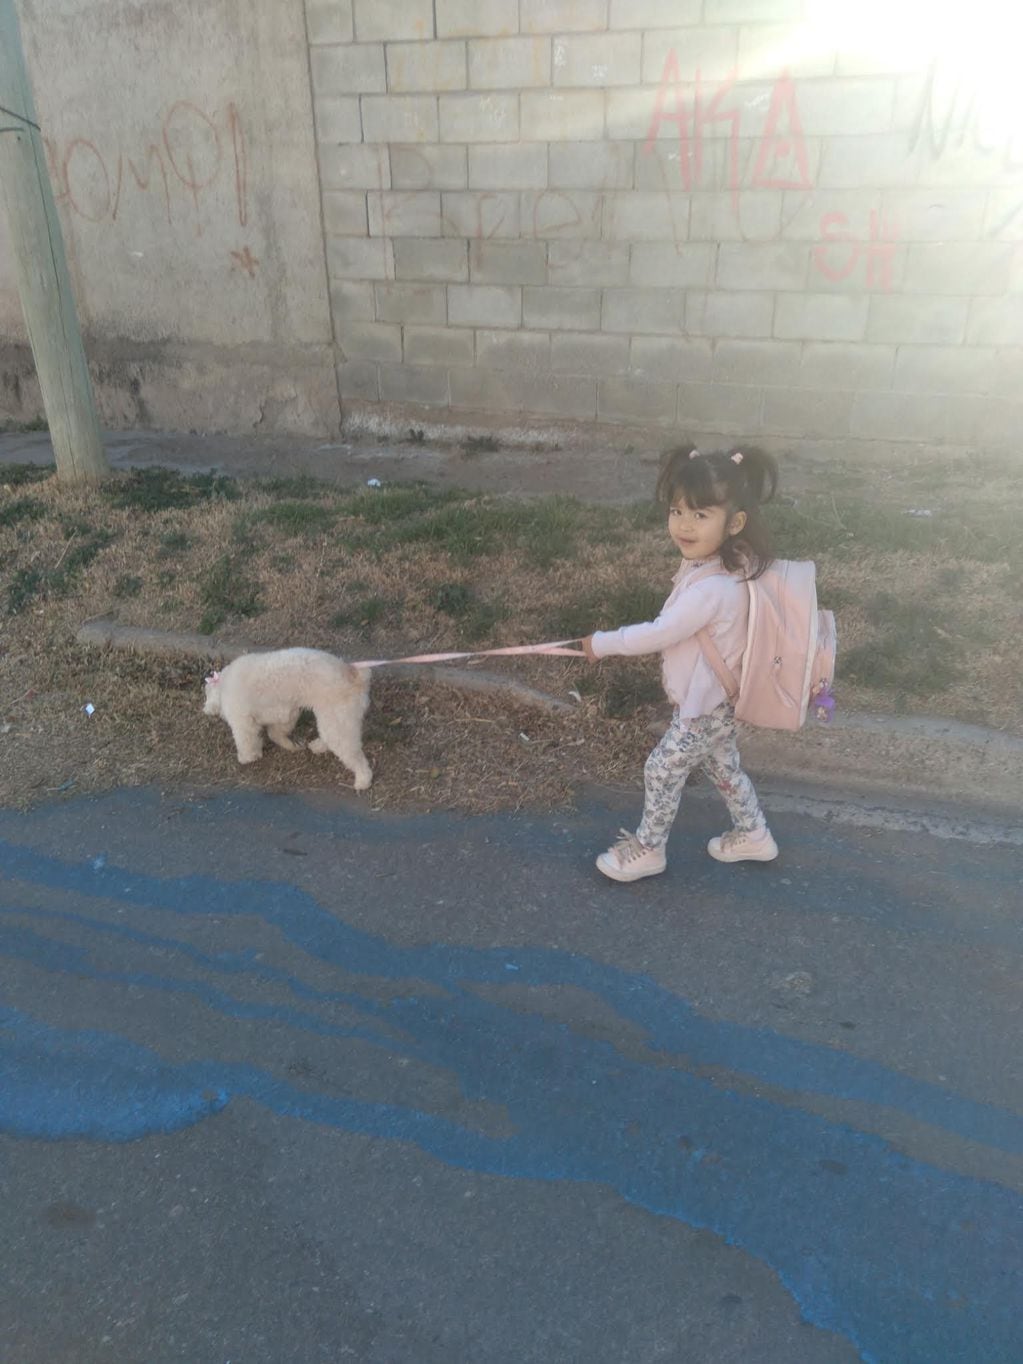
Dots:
pixel 41 268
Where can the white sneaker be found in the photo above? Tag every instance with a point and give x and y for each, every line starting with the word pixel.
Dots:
pixel 736 846
pixel 629 860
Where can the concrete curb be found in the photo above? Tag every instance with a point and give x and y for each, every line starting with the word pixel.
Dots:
pixel 107 633
pixel 930 758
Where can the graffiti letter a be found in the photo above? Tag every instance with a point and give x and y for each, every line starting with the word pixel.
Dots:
pixel 776 145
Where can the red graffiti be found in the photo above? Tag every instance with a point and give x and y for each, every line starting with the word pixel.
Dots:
pixel 241 163
pixel 878 250
pixel 191 137
pixel 246 261
pixel 189 152
pixel 93 212
pixel 777 146
pixel 781 161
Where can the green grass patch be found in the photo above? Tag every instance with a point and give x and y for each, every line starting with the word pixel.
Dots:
pixel 23 428
pixel 155 490
pixel 24 586
pixel 21 510
pixel 480 445
pixel 297 486
pixel 174 542
pixel 17 475
pixel 819 525
pixel 403 502
pixel 630 604
pixel 59 580
pixel 226 591
pixel 911 651
pixel 627 691
pixel 477 618
pixel 365 615
pixel 62 578
pixel 290 519
pixel 127 585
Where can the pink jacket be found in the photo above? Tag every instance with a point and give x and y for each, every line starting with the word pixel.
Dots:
pixel 719 602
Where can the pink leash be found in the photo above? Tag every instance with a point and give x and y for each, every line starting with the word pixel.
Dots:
pixel 559 647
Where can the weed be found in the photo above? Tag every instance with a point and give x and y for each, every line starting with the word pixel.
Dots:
pixel 61 579
pixel 22 428
pixel 481 622
pixel 153 490
pixel 454 599
pixel 24 586
pixel 480 445
pixel 127 585
pixel 15 475
pixel 910 652
pixel 462 530
pixel 477 618
pixel 225 591
pixel 295 486
pixel 628 605
pixel 547 529
pixel 640 515
pixel 174 542
pixel 292 518
pixel 627 690
pixel 365 614
pixel 398 504
pixel 22 509
pixel 416 435
pixel 631 603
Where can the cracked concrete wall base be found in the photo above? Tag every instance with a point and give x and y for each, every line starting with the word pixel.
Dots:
pixel 261 389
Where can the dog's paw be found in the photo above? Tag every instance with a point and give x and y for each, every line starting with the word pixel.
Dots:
pixel 317 746
pixel 364 781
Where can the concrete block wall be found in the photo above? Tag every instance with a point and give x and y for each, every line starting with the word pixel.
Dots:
pixel 718 216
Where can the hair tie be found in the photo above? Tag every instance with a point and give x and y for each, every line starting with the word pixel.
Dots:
pixel 212 679
pixel 737 458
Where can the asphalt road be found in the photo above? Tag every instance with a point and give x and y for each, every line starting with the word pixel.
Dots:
pixel 285 1082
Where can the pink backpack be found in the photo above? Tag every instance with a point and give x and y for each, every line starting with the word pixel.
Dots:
pixel 789 663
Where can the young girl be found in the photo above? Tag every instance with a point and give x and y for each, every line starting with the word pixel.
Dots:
pixel 714 521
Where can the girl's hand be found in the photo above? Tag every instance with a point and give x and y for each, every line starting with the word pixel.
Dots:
pixel 591 657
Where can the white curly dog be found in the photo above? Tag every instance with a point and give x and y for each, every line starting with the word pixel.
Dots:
pixel 270 690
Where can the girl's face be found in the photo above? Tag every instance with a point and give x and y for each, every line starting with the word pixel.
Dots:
pixel 699 532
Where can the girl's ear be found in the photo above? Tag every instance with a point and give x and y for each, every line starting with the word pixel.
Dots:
pixel 737 523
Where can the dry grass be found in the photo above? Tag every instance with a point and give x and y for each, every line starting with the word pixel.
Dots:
pixel 927 609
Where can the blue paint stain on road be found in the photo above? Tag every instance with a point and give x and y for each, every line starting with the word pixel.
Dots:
pixel 906 1260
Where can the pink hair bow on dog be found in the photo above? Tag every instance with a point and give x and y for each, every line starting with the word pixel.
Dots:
pixel 211 679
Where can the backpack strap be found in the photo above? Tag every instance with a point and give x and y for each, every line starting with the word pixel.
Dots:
pixel 709 649
pixel 722 671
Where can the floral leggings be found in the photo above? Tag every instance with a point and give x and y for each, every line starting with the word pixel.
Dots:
pixel 708 741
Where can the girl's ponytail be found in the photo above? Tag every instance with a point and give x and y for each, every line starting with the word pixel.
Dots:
pixel 759 472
